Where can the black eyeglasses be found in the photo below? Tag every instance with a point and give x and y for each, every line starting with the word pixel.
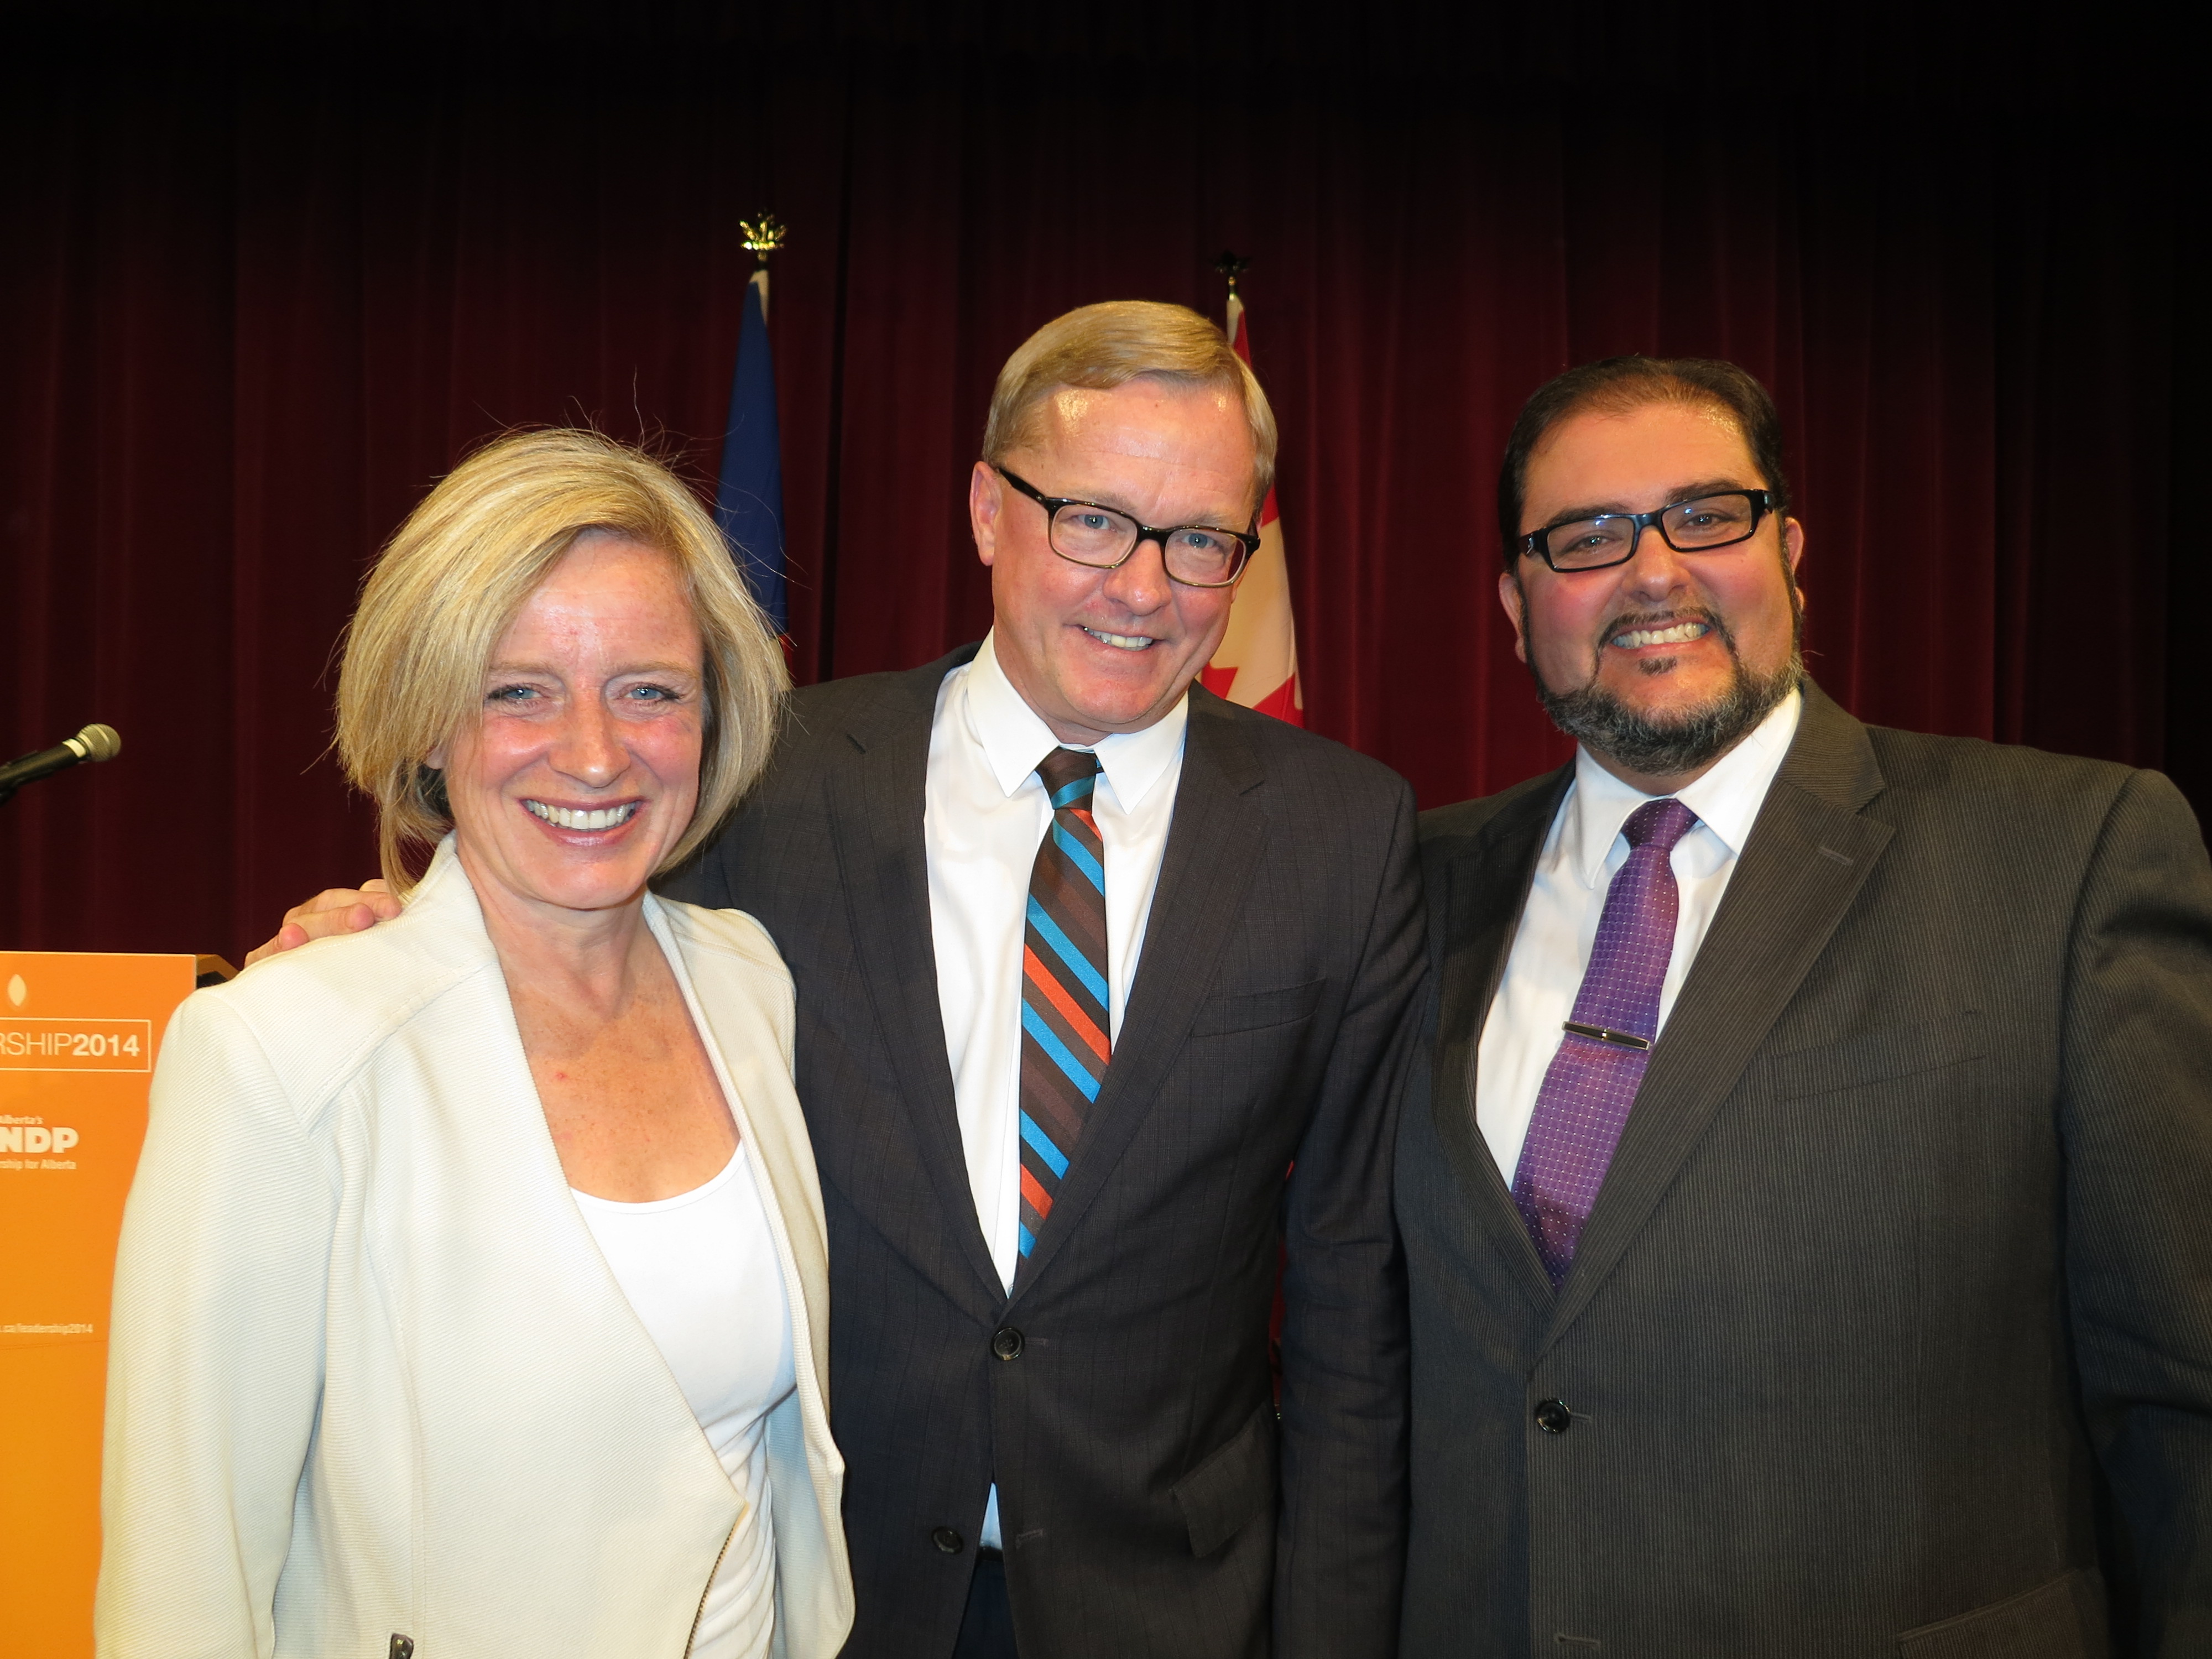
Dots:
pixel 1700 525
pixel 1104 537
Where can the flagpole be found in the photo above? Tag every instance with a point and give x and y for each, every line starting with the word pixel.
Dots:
pixel 763 236
pixel 749 496
pixel 1232 266
pixel 1256 664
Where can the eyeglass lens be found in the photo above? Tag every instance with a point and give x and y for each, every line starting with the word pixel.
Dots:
pixel 1099 536
pixel 1689 526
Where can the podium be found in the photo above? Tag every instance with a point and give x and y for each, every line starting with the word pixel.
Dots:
pixel 79 1034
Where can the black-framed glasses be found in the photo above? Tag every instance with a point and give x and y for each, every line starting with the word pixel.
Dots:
pixel 1702 524
pixel 1104 537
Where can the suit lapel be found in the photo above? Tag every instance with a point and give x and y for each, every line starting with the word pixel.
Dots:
pixel 1485 889
pixel 1216 840
pixel 876 808
pixel 1808 854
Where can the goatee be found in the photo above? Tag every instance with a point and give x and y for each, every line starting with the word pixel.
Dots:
pixel 1684 742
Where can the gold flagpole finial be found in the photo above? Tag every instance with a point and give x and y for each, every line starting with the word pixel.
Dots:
pixel 763 236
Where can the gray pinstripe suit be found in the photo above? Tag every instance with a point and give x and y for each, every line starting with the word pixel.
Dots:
pixel 1891 1329
pixel 1150 1503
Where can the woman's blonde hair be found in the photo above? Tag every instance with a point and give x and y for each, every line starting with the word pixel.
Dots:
pixel 455 576
pixel 1098 348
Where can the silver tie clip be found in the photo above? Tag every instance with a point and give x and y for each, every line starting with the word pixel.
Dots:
pixel 1601 1034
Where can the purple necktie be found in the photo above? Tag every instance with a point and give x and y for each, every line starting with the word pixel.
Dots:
pixel 1594 1077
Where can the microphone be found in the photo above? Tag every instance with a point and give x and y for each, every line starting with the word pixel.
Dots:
pixel 94 743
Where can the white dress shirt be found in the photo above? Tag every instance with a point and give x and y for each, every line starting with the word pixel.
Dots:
pixel 1582 853
pixel 985 815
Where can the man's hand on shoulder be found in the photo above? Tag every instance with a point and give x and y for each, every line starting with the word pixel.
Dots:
pixel 333 911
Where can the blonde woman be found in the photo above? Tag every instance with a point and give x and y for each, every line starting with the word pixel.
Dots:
pixel 471 1295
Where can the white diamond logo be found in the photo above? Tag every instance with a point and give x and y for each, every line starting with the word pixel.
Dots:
pixel 17 991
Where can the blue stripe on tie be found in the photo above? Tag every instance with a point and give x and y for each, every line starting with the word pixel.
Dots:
pixel 1070 794
pixel 1041 1144
pixel 1028 1238
pixel 1064 948
pixel 1080 856
pixel 1049 1039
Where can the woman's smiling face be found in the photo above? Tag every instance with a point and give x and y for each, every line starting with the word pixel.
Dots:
pixel 581 769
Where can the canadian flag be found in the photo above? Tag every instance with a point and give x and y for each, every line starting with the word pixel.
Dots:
pixel 1258 662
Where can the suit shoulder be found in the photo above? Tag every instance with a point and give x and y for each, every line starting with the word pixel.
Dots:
pixel 817 719
pixel 1290 751
pixel 2052 817
pixel 816 713
pixel 1998 776
pixel 1443 828
pixel 838 696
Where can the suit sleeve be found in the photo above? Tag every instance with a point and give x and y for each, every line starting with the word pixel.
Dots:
pixel 215 1363
pixel 2137 1121
pixel 1341 1535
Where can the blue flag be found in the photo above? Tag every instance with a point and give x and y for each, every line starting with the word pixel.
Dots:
pixel 748 505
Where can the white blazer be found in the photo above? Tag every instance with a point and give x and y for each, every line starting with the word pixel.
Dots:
pixel 370 1377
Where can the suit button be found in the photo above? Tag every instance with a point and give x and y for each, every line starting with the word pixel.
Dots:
pixel 947 1540
pixel 1554 1416
pixel 1006 1343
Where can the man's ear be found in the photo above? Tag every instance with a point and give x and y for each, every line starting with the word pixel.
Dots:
pixel 987 498
pixel 1516 605
pixel 1793 548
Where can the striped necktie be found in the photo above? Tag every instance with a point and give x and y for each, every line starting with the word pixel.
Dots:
pixel 1065 1046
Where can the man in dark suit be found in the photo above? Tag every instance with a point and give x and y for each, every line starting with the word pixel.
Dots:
pixel 1105 991
pixel 1098 1408
pixel 1882 1322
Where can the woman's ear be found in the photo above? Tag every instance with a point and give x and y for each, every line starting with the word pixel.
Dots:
pixel 430 787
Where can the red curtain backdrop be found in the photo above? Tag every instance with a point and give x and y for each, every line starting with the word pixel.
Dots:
pixel 261 289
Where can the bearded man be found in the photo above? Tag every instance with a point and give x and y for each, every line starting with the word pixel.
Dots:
pixel 1805 1188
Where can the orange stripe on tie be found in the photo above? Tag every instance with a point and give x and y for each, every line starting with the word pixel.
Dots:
pixel 1056 994
pixel 1035 1195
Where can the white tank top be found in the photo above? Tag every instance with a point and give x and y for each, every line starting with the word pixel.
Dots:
pixel 702 1272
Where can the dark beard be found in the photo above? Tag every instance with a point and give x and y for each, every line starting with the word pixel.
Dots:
pixel 1601 723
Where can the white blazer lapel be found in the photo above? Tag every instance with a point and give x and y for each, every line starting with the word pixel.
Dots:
pixel 739 994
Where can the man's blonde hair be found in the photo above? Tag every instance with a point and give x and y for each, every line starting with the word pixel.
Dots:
pixel 1098 348
pixel 455 576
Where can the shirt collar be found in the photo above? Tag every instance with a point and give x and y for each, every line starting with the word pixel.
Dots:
pixel 1726 800
pixel 1014 738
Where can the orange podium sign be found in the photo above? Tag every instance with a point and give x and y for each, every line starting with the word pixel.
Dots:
pixel 78 1038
